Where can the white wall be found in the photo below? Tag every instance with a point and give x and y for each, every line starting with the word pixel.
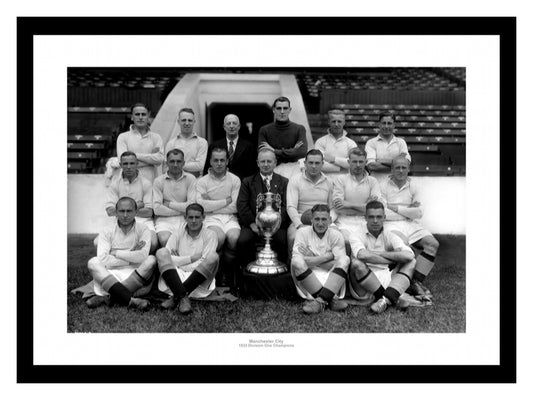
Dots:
pixel 443 199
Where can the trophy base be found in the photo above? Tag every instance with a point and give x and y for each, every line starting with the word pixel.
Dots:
pixel 266 264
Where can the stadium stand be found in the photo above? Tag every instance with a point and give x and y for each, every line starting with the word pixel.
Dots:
pixel 428 104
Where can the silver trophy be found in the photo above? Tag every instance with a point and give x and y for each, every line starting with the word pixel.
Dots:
pixel 268 220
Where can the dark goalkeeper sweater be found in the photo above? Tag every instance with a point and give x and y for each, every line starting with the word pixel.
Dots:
pixel 283 136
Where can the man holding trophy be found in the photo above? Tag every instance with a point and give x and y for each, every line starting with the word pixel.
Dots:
pixel 253 189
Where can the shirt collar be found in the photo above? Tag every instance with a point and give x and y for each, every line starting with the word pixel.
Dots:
pixel 269 177
pixel 167 176
pixel 405 185
pixel 365 177
pixel 234 141
pixel 394 138
pixel 194 135
pixel 126 179
pixel 322 177
pixel 344 133
pixel 210 172
pixel 134 130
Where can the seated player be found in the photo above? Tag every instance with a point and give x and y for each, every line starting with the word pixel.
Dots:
pixel 335 145
pixel 251 187
pixel 319 263
pixel 217 192
pixel 132 184
pixel 172 193
pixel 403 209
pixel 375 252
pixel 122 264
pixel 305 190
pixel 189 262
pixel 351 193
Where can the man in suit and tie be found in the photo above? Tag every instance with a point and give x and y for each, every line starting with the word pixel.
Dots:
pixel 241 152
pixel 265 180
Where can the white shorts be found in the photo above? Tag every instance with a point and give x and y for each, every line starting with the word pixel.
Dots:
pixel 288 169
pixel 384 276
pixel 169 224
pixel 412 230
pixel 149 222
pixel 225 222
pixel 203 290
pixel 322 276
pixel 121 273
pixel 350 223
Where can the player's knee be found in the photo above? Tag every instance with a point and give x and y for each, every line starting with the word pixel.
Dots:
pixel 212 258
pixel 232 237
pixel 344 262
pixel 431 245
pixel 298 266
pixel 93 264
pixel 162 256
pixel 163 237
pixel 357 266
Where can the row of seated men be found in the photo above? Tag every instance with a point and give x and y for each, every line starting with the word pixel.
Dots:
pixel 321 218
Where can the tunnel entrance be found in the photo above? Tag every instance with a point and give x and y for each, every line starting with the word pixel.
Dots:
pixel 251 115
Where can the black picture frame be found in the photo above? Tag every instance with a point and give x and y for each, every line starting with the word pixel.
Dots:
pixel 504 372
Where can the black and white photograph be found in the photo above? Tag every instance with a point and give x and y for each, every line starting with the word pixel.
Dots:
pixel 395 136
pixel 239 200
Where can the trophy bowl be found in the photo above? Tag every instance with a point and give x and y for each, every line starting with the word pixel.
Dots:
pixel 268 220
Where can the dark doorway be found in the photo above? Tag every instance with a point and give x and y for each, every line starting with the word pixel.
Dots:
pixel 252 116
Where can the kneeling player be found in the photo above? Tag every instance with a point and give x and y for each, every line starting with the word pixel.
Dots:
pixel 375 252
pixel 122 264
pixel 319 263
pixel 189 261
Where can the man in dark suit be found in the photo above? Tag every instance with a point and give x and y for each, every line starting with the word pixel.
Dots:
pixel 250 236
pixel 241 153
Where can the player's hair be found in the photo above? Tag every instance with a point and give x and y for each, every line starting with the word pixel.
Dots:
pixel 139 105
pixel 386 114
pixel 194 207
pixel 357 151
pixel 219 150
pixel 175 152
pixel 126 198
pixel 187 110
pixel 314 152
pixel 320 208
pixel 232 115
pixel 336 111
pixel 374 205
pixel 401 157
pixel 127 154
pixel 266 150
pixel 281 99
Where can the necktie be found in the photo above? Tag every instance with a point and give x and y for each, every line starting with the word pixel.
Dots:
pixel 231 150
pixel 267 184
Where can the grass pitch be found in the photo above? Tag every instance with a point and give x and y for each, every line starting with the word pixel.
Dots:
pixel 446 315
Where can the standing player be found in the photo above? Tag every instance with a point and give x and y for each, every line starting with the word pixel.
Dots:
pixel 335 145
pixel 172 193
pixel 217 192
pixel 375 251
pixel 383 148
pixel 403 209
pixel 193 146
pixel 147 145
pixel 285 137
pixel 319 263
pixel 122 264
pixel 188 263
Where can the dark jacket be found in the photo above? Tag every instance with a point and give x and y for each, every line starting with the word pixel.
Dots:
pixel 243 163
pixel 250 188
